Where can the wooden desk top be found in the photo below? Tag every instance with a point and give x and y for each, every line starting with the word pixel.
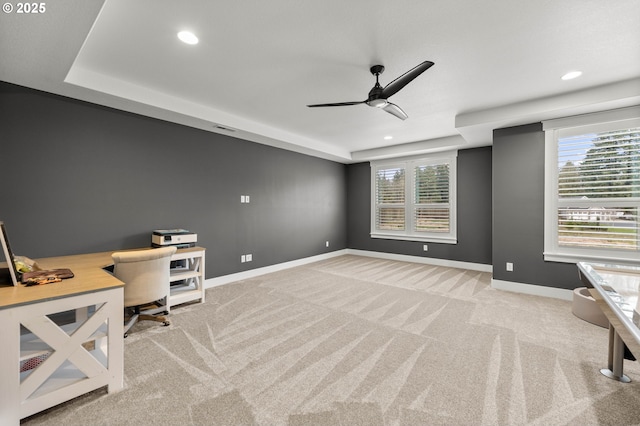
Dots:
pixel 89 277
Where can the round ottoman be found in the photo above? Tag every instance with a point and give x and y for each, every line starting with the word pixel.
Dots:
pixel 584 307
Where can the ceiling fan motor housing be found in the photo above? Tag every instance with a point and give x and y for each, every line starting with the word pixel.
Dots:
pixel 374 98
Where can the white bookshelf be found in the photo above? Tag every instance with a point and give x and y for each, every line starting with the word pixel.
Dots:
pixel 188 280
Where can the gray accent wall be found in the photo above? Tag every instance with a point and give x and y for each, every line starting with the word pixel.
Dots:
pixel 474 213
pixel 518 210
pixel 80 178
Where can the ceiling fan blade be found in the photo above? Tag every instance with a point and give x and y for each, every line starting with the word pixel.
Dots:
pixel 336 104
pixel 395 110
pixel 406 78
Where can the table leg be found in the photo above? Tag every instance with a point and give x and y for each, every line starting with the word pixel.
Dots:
pixel 9 369
pixel 615 357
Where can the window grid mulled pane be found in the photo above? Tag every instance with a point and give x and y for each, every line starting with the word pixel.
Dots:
pixel 607 228
pixel 390 199
pixel 599 190
pixel 431 220
pixel 390 219
pixel 431 203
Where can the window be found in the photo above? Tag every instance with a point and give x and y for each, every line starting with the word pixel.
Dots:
pixel 414 199
pixel 592 189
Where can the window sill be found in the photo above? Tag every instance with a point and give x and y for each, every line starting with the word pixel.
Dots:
pixel 575 258
pixel 425 239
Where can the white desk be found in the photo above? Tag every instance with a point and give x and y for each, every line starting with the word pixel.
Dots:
pixel 616 289
pixel 73 359
pixel 76 358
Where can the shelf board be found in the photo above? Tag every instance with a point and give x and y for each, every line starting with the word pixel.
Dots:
pixel 188 253
pixel 183 275
pixel 65 383
pixel 184 295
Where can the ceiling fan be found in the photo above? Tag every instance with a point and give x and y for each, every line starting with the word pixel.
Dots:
pixel 378 96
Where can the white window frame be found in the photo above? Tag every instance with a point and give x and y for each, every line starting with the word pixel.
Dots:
pixel 570 126
pixel 409 164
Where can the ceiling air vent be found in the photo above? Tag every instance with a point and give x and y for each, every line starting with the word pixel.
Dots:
pixel 220 127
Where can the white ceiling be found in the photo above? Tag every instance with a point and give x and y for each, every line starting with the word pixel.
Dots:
pixel 259 63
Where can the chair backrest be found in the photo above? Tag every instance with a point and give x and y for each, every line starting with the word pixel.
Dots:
pixel 145 274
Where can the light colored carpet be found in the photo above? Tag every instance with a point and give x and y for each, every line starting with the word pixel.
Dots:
pixel 361 341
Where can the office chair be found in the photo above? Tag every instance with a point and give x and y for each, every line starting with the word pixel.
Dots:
pixel 145 274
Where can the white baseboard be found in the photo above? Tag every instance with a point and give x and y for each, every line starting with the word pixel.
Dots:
pixel 536 290
pixel 239 276
pixel 424 260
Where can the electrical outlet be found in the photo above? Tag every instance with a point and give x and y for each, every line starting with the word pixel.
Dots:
pixel 425 247
pixel 327 243
pixel 247 199
pixel 249 257
pixel 243 258
pixel 509 267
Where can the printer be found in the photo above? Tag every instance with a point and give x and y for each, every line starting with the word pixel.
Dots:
pixel 180 238
pixel 173 237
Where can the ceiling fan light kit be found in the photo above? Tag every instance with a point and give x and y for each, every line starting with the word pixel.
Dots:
pixel 378 95
pixel 378 103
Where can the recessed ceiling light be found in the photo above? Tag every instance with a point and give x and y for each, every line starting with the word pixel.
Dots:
pixel 388 138
pixel 571 75
pixel 188 37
